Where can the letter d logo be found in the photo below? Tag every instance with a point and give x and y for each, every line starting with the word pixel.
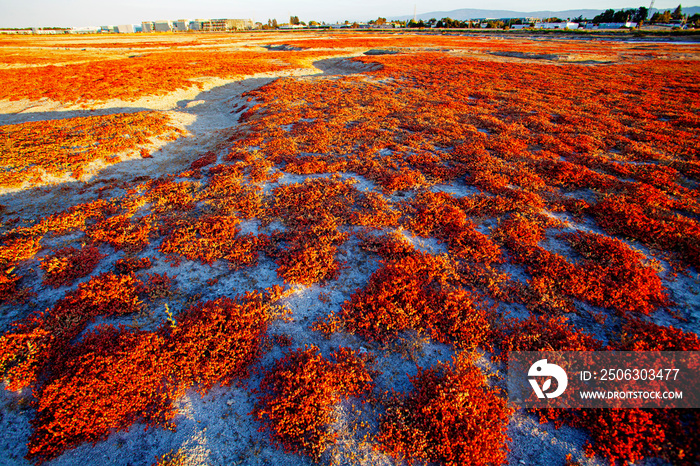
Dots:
pixel 542 369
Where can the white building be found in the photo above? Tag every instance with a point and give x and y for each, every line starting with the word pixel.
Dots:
pixel 196 25
pixel 164 26
pixel 85 30
pixel 182 25
pixel 148 26
pixel 125 29
pixel 628 24
pixel 562 25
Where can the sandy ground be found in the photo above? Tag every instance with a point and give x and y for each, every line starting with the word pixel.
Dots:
pixel 216 429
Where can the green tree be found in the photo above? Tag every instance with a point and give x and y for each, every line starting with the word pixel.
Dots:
pixel 694 20
pixel 677 13
pixel 641 14
pixel 664 17
pixel 606 17
pixel 294 20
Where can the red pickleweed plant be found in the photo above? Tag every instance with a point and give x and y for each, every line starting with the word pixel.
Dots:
pixel 418 292
pixel 63 266
pixel 112 377
pixel 122 232
pixel 28 351
pixel 132 264
pixel 542 333
pixel 450 417
pixel 216 341
pixel 629 435
pixel 637 335
pixel 298 396
pixel 212 238
pixel 314 212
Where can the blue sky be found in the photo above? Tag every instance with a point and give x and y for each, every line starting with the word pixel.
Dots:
pixel 24 13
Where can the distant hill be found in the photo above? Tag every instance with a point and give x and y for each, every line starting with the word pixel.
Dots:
pixel 471 13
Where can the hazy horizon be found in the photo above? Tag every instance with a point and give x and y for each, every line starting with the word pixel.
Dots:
pixel 75 13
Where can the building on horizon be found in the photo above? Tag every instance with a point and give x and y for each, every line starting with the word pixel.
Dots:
pixel 181 25
pixel 163 26
pixel 85 30
pixel 206 25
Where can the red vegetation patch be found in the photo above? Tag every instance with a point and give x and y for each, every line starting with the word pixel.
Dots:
pixel 420 292
pixel 637 335
pixel 659 229
pixel 152 73
pixel 390 247
pixel 313 211
pixel 439 215
pixel 451 417
pixel 64 266
pixel 629 435
pixel 34 151
pixel 132 264
pixel 539 333
pixel 611 273
pixel 228 193
pixel 12 253
pixel 167 196
pixel 298 397
pixel 216 341
pixel 34 344
pixel 213 238
pixel 121 232
pixel 113 378
pixel 203 161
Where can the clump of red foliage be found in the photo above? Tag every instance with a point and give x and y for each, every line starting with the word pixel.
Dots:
pixel 631 434
pixel 31 348
pixel 63 266
pixel 298 396
pixel 451 417
pixel 228 193
pixel 610 274
pixel 212 238
pixel 314 212
pixel 216 341
pixel 439 215
pixel 419 292
pixel 121 232
pixel 542 333
pixel 132 264
pixel 112 377
pixel 637 335
pixel 64 147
